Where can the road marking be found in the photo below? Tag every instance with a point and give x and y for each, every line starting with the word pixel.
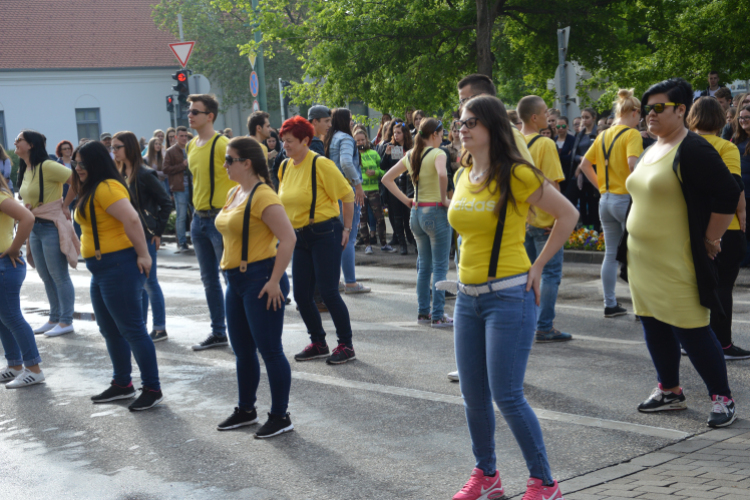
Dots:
pixel 569 418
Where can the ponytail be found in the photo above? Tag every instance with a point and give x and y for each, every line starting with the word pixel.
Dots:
pixel 427 127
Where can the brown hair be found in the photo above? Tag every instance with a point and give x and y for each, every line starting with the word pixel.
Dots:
pixel 209 101
pixel 255 120
pixel 724 93
pixel 341 119
pixel 132 153
pixel 528 107
pixel 408 142
pixel 740 135
pixel 707 115
pixel 427 127
pixel 513 116
pixel 249 148
pixel 154 156
pixel 3 155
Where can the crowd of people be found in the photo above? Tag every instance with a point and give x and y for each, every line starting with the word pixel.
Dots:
pixel 505 188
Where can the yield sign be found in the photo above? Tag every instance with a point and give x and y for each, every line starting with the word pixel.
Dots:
pixel 182 51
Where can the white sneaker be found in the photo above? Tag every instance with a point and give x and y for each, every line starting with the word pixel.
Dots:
pixel 368 250
pixel 44 328
pixel 25 378
pixel 59 330
pixel 7 374
pixel 453 376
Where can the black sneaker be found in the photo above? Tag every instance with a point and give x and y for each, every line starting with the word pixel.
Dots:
pixel 663 401
pixel 450 296
pixel 239 418
pixel 184 248
pixel 341 355
pixel 404 250
pixel 114 393
pixel 148 399
pixel 314 350
pixel 613 312
pixel 723 413
pixel 158 336
pixel 274 426
pixel 734 352
pixel 211 341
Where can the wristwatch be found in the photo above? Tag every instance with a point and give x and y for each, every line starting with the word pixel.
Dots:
pixel 348 229
pixel 713 243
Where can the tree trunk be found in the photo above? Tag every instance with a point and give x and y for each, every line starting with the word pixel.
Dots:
pixel 484 38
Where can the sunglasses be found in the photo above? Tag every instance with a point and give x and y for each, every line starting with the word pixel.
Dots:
pixel 562 126
pixel 658 107
pixel 230 160
pixel 195 112
pixel 76 164
pixel 469 122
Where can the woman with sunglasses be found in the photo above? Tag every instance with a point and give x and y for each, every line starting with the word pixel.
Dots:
pixel 54 246
pixel 257 284
pixel 154 205
pixel 684 199
pixel 496 307
pixel 117 256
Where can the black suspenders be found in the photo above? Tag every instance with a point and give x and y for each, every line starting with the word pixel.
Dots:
pixel 211 170
pixel 609 152
pixel 246 228
pixel 314 185
pixel 41 183
pixel 532 141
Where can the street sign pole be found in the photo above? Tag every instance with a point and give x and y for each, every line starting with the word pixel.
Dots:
pixel 562 49
pixel 260 68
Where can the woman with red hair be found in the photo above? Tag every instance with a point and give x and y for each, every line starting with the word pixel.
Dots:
pixel 310 187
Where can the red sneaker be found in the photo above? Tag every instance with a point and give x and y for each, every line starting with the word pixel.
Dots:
pixel 481 487
pixel 535 490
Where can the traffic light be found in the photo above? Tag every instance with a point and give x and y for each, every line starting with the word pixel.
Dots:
pixel 181 87
pixel 170 103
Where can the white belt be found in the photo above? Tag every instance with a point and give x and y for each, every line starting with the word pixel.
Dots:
pixel 477 290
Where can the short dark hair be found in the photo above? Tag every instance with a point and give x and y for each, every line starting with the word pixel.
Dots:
pixel 529 106
pixel 564 118
pixel 678 90
pixel 209 101
pixel 181 128
pixel 723 93
pixel 255 120
pixel 480 83
pixel 713 72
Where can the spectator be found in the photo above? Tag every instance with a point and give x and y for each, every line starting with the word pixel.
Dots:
pixel 381 128
pixel 141 143
pixel 514 120
pixel 64 152
pixel 417 116
pixel 320 117
pixel 740 101
pixel 724 97
pixel 170 140
pixel 410 119
pixel 401 141
pixel 576 125
pixel 371 174
pixel 155 160
pixel 565 142
pixel 602 125
pixel 273 146
pixel 106 139
pixel 159 134
pixel 546 132
pixel 228 133
pixel 713 85
pixel 180 185
pixel 259 128
pixel 552 118
pixel 586 197
pixel 741 139
pixel 730 114
pixel 6 168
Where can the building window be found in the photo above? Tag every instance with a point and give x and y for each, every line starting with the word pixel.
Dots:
pixel 87 120
pixel 2 130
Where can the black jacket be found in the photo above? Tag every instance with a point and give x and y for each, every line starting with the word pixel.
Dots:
pixel 151 201
pixel 404 180
pixel 708 187
pixel 566 154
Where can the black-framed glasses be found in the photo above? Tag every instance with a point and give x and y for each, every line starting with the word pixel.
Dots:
pixel 118 147
pixel 658 107
pixel 743 118
pixel 469 122
pixel 562 126
pixel 230 160
pixel 196 112
pixel 76 164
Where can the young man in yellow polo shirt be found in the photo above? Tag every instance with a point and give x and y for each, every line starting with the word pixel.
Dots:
pixel 210 187
pixel 532 112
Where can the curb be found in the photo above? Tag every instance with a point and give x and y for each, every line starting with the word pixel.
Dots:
pixel 583 257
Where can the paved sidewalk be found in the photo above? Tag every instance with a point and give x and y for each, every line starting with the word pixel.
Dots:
pixel 713 465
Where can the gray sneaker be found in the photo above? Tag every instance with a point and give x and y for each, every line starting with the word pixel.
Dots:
pixel 359 288
pixel 368 250
pixel 453 376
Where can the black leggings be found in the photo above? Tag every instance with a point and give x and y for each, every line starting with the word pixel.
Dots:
pixel 733 246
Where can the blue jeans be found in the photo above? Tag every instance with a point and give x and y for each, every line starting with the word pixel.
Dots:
pixel 165 183
pixel 347 257
pixel 52 266
pixel 433 234
pixel 551 277
pixel 493 334
pixel 152 291
pixel 116 290
pixel 208 247
pixel 181 205
pixel 15 333
pixel 254 328
pixel 613 210
pixel 317 260
pixel 700 344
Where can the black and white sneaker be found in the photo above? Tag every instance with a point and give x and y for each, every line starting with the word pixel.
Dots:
pixel 239 418
pixel 158 336
pixel 211 341
pixel 7 374
pixel 275 425
pixel 148 399
pixel 734 352
pixel 341 355
pixel 314 350
pixel 114 393
pixel 663 401
pixel 723 413
pixel 613 312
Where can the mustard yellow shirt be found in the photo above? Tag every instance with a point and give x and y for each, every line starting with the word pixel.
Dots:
pixel 6 223
pixel 628 144
pixel 731 156
pixel 429 182
pixel 546 159
pixel 472 215
pixel 265 150
pixel 199 164
pixel 55 175
pixel 295 190
pixel 112 237
pixel 261 240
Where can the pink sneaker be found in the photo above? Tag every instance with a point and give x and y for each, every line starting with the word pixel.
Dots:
pixel 535 490
pixel 481 487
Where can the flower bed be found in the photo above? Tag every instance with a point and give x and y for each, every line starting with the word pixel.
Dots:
pixel 585 239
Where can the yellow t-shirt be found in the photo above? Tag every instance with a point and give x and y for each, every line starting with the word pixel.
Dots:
pixel 731 156
pixel 429 182
pixel 628 144
pixel 199 164
pixel 473 216
pixel 295 190
pixel 546 159
pixel 261 240
pixel 55 175
pixel 112 237
pixel 6 223
pixel 265 150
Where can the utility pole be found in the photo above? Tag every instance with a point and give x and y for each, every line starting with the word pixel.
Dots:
pixel 562 49
pixel 260 68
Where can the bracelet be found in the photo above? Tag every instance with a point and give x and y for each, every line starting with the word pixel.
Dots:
pixel 713 243
pixel 348 229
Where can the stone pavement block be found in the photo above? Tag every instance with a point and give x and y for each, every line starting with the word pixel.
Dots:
pixel 653 459
pixel 708 495
pixel 728 469
pixel 647 482
pixel 728 490
pixel 621 493
pixel 599 476
pixel 733 453
pixel 685 460
pixel 613 498
pixel 622 480
pixel 724 477
pixel 619 487
pixel 655 489
pixel 706 456
pixel 688 446
pixel 582 496
pixel 727 445
pixel 680 473
pixel 695 480
pixel 660 496
pixel 722 434
pixel 729 458
pixel 670 466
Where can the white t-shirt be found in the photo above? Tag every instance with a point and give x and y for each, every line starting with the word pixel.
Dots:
pixel 560 143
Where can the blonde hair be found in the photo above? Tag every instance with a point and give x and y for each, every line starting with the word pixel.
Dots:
pixel 626 102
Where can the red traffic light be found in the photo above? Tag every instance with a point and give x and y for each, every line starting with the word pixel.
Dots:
pixel 181 77
pixel 170 99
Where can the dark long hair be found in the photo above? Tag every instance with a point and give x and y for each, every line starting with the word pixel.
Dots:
pixel 383 122
pixel 427 127
pixel 37 153
pixel 740 135
pixel 408 141
pixel 132 153
pixel 99 167
pixel 249 148
pixel 341 121
pixel 504 155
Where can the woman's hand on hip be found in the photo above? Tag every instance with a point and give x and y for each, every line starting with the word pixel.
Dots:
pixel 275 295
pixel 344 238
pixel 144 264
pixel 156 240
pixel 534 280
pixel 14 256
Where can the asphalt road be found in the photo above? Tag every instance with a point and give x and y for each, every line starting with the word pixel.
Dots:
pixel 386 426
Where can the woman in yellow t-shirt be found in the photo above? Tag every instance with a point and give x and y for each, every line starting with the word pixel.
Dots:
pixel 496 307
pixel 257 284
pixel 15 333
pixel 50 262
pixel 114 246
pixel 706 118
pixel 312 205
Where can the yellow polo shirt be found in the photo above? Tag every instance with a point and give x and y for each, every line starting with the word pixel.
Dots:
pixel 546 159
pixel 199 164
